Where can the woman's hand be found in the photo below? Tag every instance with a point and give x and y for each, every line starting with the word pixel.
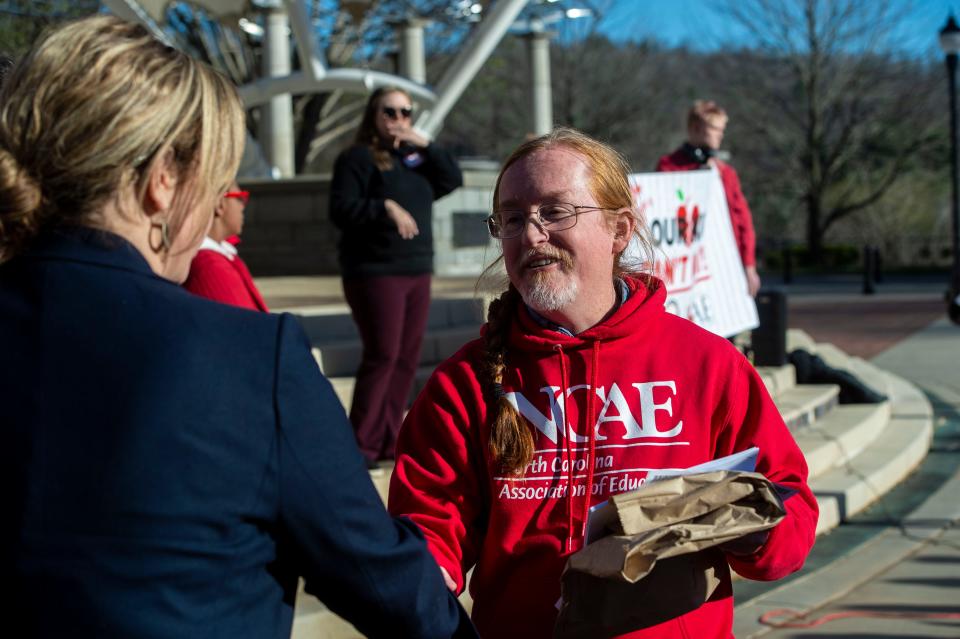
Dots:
pixel 411 137
pixel 753 280
pixel 406 225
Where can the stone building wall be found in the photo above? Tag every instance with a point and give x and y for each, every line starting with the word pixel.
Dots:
pixel 288 232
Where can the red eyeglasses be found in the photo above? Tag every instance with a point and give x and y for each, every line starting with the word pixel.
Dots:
pixel 243 196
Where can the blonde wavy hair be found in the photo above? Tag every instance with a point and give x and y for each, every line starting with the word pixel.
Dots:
pixel 511 442
pixel 91 110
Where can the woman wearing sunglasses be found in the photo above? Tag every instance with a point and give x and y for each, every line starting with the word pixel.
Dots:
pixel 381 199
pixel 217 272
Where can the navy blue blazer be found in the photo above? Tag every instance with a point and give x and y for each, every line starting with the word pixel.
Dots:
pixel 172 465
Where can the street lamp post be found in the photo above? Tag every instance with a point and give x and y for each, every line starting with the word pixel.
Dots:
pixel 950 43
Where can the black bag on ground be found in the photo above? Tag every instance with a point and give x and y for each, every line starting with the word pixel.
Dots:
pixel 811 369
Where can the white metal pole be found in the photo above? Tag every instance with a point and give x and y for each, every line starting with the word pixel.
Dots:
pixel 413 61
pixel 541 90
pixel 276 125
pixel 468 62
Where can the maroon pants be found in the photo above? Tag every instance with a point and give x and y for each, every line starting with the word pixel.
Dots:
pixel 391 315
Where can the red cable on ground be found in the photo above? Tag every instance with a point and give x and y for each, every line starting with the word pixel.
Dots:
pixel 766 617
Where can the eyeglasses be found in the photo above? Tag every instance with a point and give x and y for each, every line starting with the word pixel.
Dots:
pixel 506 224
pixel 394 114
pixel 243 196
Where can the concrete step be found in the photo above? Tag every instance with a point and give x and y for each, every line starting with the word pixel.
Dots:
pixel 841 435
pixel 907 400
pixel 797 338
pixel 380 477
pixel 326 323
pixel 885 462
pixel 803 404
pixel 856 453
pixel 870 375
pixel 333 322
pixel 778 379
pixel 339 358
pixel 859 452
pixel 343 386
pixel 859 368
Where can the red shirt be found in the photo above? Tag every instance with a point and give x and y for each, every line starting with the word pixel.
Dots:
pixel 665 394
pixel 740 216
pixel 223 278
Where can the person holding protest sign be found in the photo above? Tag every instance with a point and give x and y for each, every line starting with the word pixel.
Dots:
pixel 580 384
pixel 706 124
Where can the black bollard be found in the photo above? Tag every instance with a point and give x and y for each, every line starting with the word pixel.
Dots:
pixel 877 265
pixel 769 340
pixel 869 285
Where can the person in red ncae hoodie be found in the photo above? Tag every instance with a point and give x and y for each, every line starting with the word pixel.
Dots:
pixel 706 124
pixel 580 384
pixel 217 272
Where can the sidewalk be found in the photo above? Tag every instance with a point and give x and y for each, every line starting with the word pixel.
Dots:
pixel 904 581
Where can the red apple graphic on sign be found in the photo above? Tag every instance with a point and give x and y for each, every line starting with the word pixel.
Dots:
pixel 687 222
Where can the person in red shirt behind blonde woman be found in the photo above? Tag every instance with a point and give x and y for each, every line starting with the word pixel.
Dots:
pixel 217 272
pixel 580 384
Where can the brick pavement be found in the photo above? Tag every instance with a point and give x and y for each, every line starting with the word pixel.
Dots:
pixel 864 325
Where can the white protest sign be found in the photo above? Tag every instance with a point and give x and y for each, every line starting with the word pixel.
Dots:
pixel 694 249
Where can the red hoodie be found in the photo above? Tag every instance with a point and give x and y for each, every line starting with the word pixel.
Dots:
pixel 668 394
pixel 740 217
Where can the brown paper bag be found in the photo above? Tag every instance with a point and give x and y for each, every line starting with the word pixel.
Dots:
pixel 660 560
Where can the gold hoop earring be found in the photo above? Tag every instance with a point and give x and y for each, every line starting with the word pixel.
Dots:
pixel 164 244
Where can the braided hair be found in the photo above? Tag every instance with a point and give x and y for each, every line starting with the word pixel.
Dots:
pixel 511 442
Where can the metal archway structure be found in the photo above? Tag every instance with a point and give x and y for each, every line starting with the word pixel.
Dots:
pixel 274 90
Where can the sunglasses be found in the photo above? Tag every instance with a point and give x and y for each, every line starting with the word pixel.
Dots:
pixel 243 196
pixel 393 113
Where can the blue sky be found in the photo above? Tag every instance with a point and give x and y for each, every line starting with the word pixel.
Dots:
pixel 696 23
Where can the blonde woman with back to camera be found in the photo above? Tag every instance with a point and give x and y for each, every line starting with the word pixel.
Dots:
pixel 171 465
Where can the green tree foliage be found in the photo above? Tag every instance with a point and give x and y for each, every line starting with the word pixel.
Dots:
pixel 21 21
pixel 823 128
pixel 826 102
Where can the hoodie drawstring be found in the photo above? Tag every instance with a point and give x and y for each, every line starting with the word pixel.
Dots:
pixel 568 453
pixel 576 534
pixel 590 421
